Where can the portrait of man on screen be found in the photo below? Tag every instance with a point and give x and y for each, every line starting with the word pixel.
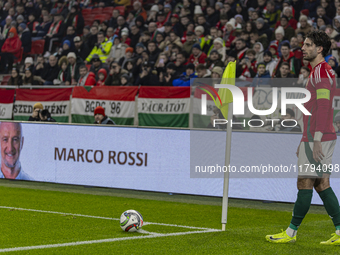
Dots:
pixel 11 144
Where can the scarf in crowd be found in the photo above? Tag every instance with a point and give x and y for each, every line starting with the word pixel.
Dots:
pixel 83 80
pixel 54 28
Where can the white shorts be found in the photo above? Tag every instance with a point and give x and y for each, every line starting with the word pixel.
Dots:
pixel 307 166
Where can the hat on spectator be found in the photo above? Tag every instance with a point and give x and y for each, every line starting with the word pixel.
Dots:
pixel 218 40
pixel 125 31
pixel 190 66
pixel 197 46
pixel 99 110
pixel 284 17
pixel 67 42
pixel 9 17
pixel 125 75
pixel 232 54
pixel 303 17
pixel 95 57
pixel 140 45
pixel 168 24
pixel 71 55
pixel 251 9
pixel 261 64
pixel 168 6
pixel 54 12
pixel 20 17
pixel 268 53
pixel 13 30
pixel 305 12
pixel 171 65
pixel 29 60
pixel 198 9
pixel 231 22
pixel 87 27
pixel 219 5
pixel 337 18
pixel 280 30
pixel 23 26
pixel 38 106
pixel 218 70
pixel 77 39
pixel 154 8
pixel 129 49
pixel 213 51
pixel 286 2
pixel 175 16
pixel 160 13
pixel 190 33
pixel 47 54
pixel 239 16
pixel 260 20
pixel 199 28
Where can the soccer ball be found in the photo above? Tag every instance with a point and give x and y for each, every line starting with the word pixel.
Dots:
pixel 131 221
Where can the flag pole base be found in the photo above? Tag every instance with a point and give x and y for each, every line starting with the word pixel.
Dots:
pixel 223 226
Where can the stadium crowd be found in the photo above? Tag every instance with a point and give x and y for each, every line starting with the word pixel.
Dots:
pixel 161 42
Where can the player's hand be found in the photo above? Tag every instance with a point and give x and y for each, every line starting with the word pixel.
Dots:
pixel 297 152
pixel 317 151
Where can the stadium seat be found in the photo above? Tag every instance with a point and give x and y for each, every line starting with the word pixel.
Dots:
pixel 97 11
pixel 86 12
pixel 121 9
pixel 108 10
pixel 100 17
pixel 37 47
pixel 5 79
pixel 16 61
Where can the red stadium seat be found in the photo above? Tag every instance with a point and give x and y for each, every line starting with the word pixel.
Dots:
pixel 101 17
pixel 86 12
pixel 5 79
pixel 20 58
pixel 97 11
pixel 37 47
pixel 108 10
pixel 121 9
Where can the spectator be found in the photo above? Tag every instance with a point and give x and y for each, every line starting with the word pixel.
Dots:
pixel 258 48
pixel 81 48
pixel 216 72
pixel 321 12
pixel 125 36
pixel 288 57
pixel 128 56
pixel 16 78
pixel 180 62
pixel 66 48
pixel 172 39
pixel 55 32
pixel 294 45
pixel 75 19
pixel 303 77
pixel 61 78
pixel 138 10
pixel 184 79
pixel 202 71
pixel 230 33
pixel 337 121
pixel 289 123
pixel 11 49
pixel 25 37
pixel 147 76
pixel 102 74
pixel 241 48
pixel 272 14
pixel 28 78
pixel 263 28
pixel 113 20
pixel 37 107
pixel 167 78
pixel 29 63
pixel 279 39
pixel 262 77
pixel 118 50
pixel 135 35
pixel 70 35
pixel 215 60
pixel 125 80
pixel 102 48
pixel 97 65
pixel 191 40
pixel 39 67
pixel 113 79
pixel 121 23
pixel 255 38
pixel 72 74
pixel 5 28
pixel 86 78
pixel 287 12
pixel 284 73
pixel 212 16
pixel 289 32
pixel 197 56
pixel 92 38
pixel 247 66
pixel 43 28
pixel 45 115
pixel 153 52
pixel 61 8
pixel 101 118
pixel 270 62
pixel 87 35
pixel 50 72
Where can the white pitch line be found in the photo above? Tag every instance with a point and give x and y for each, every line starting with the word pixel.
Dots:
pixel 100 217
pixel 25 248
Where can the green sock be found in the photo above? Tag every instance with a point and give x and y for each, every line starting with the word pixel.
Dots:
pixel 331 203
pixel 301 207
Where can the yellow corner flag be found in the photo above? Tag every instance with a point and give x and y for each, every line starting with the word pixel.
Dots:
pixel 226 96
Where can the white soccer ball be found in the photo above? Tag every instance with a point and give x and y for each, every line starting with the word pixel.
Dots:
pixel 131 221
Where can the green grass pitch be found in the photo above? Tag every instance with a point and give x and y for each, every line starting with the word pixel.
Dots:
pixel 61 216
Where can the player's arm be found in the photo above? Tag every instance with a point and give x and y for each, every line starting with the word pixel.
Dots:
pixel 323 92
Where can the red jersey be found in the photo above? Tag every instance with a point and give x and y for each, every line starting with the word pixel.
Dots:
pixel 321 84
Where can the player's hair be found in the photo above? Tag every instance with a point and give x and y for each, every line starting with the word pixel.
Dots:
pixel 320 39
pixel 286 44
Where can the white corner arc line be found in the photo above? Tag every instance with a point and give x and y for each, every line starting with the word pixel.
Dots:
pixel 25 248
pixel 100 217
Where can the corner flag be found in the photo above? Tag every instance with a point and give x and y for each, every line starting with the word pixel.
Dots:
pixel 225 94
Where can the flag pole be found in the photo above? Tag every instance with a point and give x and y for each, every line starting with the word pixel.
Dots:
pixel 227 164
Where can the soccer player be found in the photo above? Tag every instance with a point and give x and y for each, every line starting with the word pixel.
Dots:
pixel 318 142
